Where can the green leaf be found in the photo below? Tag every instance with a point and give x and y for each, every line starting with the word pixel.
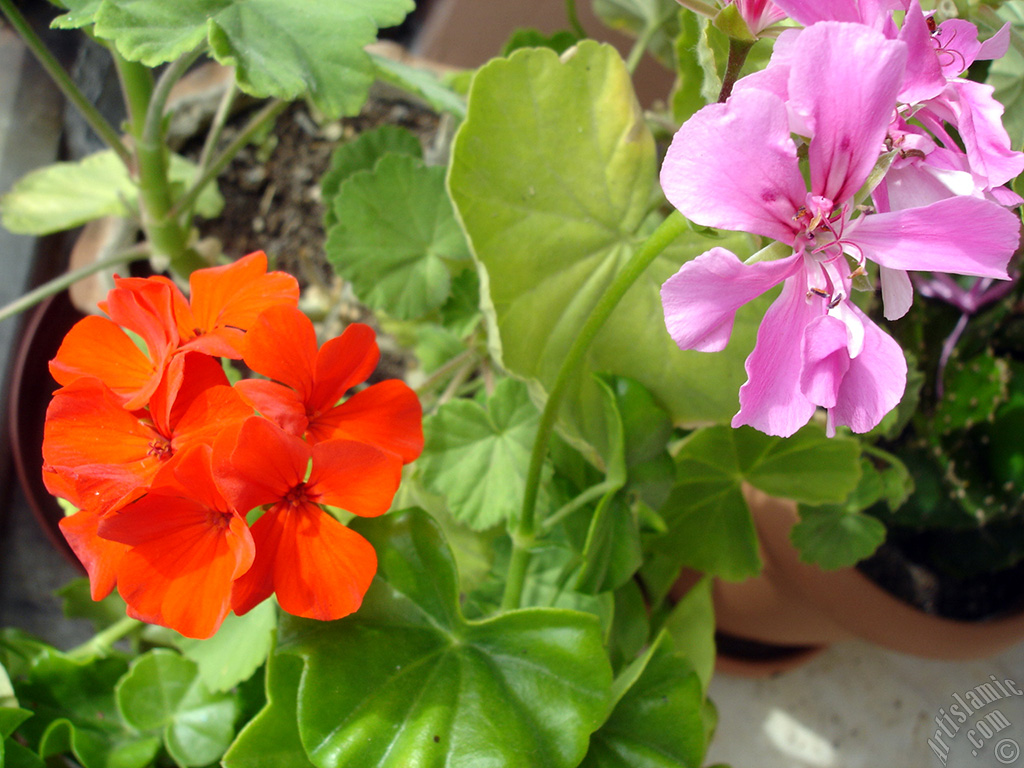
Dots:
pixel 710 528
pixel 407 680
pixel 477 457
pixel 11 718
pixel 162 691
pixel 80 13
pixel 834 537
pixel 658 721
pixel 692 626
pixel 66 195
pixel 612 553
pixel 528 37
pixel 552 176
pixel 1006 74
pixel 78 604
pixel 657 18
pixel 75 712
pixel 422 83
pixel 395 232
pixel 361 154
pixel 687 92
pixel 7 697
pixel 271 739
pixel 277 50
pixel 237 650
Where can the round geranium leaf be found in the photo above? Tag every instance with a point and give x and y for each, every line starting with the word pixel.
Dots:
pixel 407 680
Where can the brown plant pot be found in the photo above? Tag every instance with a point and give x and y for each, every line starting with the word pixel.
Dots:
pixel 793 603
pixel 29 391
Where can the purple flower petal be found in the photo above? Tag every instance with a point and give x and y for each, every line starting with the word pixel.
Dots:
pixel 826 358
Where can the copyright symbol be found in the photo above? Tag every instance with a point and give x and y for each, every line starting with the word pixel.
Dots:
pixel 1007 751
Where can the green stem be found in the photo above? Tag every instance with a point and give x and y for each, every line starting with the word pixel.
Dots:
pixel 738 50
pixel 58 284
pixel 574 19
pixel 167 237
pixel 524 536
pixel 265 115
pixel 64 82
pixel 101 643
pixel 702 8
pixel 220 119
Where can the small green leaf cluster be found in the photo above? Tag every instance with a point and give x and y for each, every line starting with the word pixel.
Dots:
pixel 166 701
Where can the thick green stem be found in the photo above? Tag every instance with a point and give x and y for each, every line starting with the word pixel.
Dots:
pixel 58 284
pixel 101 643
pixel 524 536
pixel 167 237
pixel 64 82
pixel 738 50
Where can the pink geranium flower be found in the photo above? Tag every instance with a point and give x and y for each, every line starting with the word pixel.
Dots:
pixel 735 166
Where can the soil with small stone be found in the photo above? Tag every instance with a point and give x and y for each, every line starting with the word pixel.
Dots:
pixel 272 198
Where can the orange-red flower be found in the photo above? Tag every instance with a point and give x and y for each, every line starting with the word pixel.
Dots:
pixel 305 396
pixel 185 547
pixel 111 455
pixel 166 461
pixel 318 567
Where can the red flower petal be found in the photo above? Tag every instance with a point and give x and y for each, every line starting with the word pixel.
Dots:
pixel 387 415
pixel 319 568
pixel 357 477
pixel 100 557
pixel 341 363
pixel 227 300
pixel 183 559
pixel 96 347
pixel 281 344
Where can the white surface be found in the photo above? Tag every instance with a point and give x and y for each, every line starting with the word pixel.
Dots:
pixel 856 706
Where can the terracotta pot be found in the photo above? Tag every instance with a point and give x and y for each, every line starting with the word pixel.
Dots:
pixel 29 391
pixel 796 604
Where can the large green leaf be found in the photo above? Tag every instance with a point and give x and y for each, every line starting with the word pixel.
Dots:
pixel 477 457
pixel 271 739
pixel 279 48
pixel 163 691
pixel 552 176
pixel 710 528
pixel 408 681
pixel 395 231
pixel 237 650
pixel 658 721
pixel 66 195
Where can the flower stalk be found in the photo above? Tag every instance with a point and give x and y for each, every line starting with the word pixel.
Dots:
pixel 525 534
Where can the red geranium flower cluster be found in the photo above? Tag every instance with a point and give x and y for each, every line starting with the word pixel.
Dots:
pixel 168 462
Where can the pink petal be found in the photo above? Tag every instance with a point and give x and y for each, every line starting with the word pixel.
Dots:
pixel 962 235
pixel 771 400
pixel 997 45
pixel 701 299
pixel 897 292
pixel 734 166
pixel 874 383
pixel 979 120
pixel 845 87
pixel 826 360
pixel 924 78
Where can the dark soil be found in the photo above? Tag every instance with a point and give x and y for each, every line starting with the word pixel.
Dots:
pixel 971 598
pixel 272 198
pixel 272 190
